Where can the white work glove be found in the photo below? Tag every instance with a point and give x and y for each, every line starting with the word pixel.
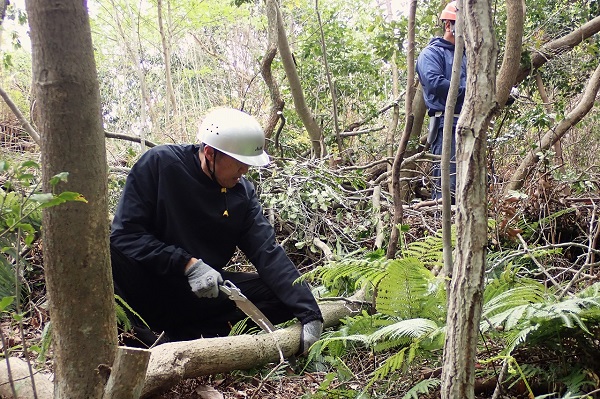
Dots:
pixel 311 332
pixel 204 280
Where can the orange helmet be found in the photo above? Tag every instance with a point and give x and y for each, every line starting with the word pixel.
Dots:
pixel 449 12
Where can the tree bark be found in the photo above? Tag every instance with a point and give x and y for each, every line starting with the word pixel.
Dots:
pixel 515 18
pixel 559 46
pixel 277 102
pixel 399 158
pixel 330 83
pixel 447 136
pixel 19 372
pixel 75 234
pixel 466 286
pixel 304 112
pixel 166 47
pixel 127 376
pixel 555 133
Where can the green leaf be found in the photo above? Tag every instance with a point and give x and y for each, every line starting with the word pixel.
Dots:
pixel 71 196
pixel 30 164
pixel 60 177
pixel 5 302
pixel 42 198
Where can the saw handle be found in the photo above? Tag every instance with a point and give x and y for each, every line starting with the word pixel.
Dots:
pixel 229 289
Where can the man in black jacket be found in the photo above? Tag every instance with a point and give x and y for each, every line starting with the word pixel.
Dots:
pixel 183 212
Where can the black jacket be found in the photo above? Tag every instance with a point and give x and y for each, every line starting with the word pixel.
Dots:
pixel 171 211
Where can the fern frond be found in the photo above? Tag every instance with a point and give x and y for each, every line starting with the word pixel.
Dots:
pixel 408 329
pixel 428 250
pixel 422 387
pixel 122 317
pixel 391 364
pixel 517 337
pixel 508 307
pixel 410 290
pixel 359 272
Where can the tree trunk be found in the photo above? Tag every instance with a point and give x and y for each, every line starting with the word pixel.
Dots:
pixel 447 136
pixel 331 84
pixel 75 234
pixel 134 54
pixel 555 133
pixel 559 46
pixel 174 362
pixel 277 102
pixel 304 112
pixel 466 286
pixel 399 158
pixel 515 16
pixel 166 47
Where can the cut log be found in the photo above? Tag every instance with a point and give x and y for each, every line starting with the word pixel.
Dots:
pixel 127 375
pixel 174 362
pixel 19 371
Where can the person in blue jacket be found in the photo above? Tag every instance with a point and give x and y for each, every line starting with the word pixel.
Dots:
pixel 183 212
pixel 434 69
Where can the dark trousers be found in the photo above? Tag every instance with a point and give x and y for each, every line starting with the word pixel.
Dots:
pixel 168 306
pixel 436 173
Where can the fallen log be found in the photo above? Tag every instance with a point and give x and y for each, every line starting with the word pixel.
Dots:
pixel 21 381
pixel 174 362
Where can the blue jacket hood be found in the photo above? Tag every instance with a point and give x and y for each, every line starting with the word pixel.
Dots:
pixel 434 69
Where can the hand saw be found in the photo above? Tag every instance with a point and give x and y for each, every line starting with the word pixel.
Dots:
pixel 246 306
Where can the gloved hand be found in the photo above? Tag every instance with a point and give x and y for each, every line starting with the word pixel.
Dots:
pixel 310 334
pixel 204 280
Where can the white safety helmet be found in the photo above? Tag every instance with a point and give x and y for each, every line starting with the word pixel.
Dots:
pixel 236 134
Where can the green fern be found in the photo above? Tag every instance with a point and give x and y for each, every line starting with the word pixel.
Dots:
pixel 355 273
pixel 429 250
pixel 409 290
pixel 422 387
pixel 531 313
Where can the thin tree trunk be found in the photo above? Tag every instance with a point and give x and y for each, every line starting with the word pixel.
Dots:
pixel 397 194
pixel 546 100
pixel 330 83
pixel 171 363
pixel 166 46
pixel 304 112
pixel 447 137
pixel 466 286
pixel 391 130
pixel 277 103
pixel 515 17
pixel 136 64
pixel 75 234
pixel 559 46
pixel 555 133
